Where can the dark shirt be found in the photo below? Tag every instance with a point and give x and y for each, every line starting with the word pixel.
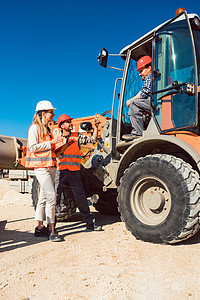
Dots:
pixel 85 139
pixel 146 89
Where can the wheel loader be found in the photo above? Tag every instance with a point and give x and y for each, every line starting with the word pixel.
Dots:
pixel 152 181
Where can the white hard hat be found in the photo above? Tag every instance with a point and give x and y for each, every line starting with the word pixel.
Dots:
pixel 44 105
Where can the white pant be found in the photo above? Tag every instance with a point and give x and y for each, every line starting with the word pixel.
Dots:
pixel 47 198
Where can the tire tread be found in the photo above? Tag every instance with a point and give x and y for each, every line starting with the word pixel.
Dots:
pixel 191 179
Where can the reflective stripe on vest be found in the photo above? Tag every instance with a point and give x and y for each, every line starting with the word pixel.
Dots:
pixel 43 158
pixel 72 156
pixel 71 159
pixel 40 159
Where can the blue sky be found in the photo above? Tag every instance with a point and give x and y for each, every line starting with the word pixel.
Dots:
pixel 49 51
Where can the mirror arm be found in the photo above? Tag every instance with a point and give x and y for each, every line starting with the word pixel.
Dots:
pixel 117 54
pixel 115 68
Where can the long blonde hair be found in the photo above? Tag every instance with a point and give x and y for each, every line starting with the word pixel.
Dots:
pixel 43 130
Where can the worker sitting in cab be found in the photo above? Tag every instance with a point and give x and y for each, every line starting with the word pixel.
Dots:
pixel 141 102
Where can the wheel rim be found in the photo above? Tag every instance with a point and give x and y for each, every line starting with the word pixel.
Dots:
pixel 150 200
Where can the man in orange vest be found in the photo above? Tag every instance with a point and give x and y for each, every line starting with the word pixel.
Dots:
pixel 68 168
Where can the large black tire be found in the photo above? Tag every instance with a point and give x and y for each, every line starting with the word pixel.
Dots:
pixel 159 199
pixel 107 204
pixel 68 203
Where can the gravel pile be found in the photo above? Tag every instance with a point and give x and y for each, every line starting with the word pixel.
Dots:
pixel 11 196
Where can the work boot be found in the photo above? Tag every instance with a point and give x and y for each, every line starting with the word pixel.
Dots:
pixel 43 232
pixel 54 236
pixel 93 227
pixel 130 136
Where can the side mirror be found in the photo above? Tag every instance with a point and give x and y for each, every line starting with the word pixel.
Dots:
pixel 103 57
pixel 86 126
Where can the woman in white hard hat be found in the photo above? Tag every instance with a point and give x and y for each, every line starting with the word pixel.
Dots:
pixel 41 157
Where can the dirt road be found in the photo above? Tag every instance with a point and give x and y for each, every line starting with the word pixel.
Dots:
pixel 110 264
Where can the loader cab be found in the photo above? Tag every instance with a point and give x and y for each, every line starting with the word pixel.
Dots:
pixel 175 50
pixel 133 85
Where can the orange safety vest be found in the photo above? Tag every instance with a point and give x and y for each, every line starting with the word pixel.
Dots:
pixel 42 158
pixel 71 158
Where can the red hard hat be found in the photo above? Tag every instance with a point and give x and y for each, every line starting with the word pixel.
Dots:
pixel 63 118
pixel 143 61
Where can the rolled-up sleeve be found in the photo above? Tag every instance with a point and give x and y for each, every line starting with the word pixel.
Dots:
pixel 85 139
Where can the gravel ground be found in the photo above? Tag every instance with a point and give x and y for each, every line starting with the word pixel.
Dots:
pixel 110 264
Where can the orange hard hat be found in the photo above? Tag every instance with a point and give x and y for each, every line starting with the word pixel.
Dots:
pixel 63 118
pixel 143 61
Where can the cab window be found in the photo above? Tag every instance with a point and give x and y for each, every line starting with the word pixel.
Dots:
pixel 132 88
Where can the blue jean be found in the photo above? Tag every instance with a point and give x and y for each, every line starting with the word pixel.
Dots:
pixel 72 179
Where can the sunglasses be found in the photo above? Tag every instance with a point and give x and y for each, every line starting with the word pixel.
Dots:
pixel 49 111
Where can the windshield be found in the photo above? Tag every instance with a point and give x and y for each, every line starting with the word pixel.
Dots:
pixel 197 47
pixel 132 88
pixel 174 61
